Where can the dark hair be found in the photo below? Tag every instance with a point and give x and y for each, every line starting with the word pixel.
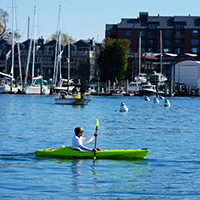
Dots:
pixel 77 130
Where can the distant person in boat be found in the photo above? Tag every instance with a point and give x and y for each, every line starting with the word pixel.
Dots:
pixel 78 140
pixel 82 91
pixel 74 90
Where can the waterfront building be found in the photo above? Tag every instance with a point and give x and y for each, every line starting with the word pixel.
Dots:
pixel 83 56
pixel 176 37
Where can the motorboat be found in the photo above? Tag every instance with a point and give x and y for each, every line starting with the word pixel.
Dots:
pixel 148 89
pixel 133 87
pixel 35 88
pixel 117 92
pixel 65 98
pixel 5 86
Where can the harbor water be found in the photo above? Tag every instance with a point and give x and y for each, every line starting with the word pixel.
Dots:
pixel 171 169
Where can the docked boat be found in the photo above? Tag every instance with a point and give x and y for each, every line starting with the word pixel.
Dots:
pixel 133 87
pixel 148 90
pixel 68 152
pixel 35 88
pixel 63 97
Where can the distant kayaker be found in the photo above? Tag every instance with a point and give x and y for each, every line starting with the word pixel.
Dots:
pixel 78 140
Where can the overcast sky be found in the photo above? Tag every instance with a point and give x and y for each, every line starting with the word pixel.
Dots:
pixel 83 19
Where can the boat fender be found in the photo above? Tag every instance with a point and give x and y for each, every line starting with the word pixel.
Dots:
pixel 123 107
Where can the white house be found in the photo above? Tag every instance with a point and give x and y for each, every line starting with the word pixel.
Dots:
pixel 187 72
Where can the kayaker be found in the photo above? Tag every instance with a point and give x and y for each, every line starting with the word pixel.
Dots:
pixel 78 140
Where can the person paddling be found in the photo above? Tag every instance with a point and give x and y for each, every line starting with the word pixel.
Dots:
pixel 78 140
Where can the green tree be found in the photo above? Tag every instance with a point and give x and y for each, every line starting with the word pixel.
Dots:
pixel 113 60
pixel 64 38
pixel 3 20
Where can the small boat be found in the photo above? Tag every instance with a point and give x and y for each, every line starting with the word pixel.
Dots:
pixel 119 92
pixel 166 103
pixel 133 87
pixel 68 152
pixel 63 97
pixel 147 89
pixel 147 98
pixel 123 108
pixel 35 88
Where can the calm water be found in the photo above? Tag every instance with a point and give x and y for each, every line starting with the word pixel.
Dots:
pixel 171 170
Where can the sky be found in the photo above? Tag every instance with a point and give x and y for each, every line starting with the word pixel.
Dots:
pixel 84 19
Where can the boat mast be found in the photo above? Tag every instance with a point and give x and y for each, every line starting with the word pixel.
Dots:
pixel 33 65
pixel 57 49
pixel 18 47
pixel 13 13
pixel 161 52
pixel 68 60
pixel 139 55
pixel 59 46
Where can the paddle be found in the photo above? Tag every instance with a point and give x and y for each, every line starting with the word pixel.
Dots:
pixel 97 124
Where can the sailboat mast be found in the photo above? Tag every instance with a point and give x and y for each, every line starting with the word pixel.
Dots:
pixel 68 60
pixel 33 66
pixel 59 46
pixel 161 52
pixel 13 14
pixel 18 47
pixel 56 60
pixel 139 55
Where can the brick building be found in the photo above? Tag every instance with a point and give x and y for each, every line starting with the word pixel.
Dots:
pixel 177 35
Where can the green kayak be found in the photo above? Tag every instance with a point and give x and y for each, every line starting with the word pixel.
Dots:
pixel 68 152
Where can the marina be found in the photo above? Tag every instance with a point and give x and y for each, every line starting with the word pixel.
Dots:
pixel 170 170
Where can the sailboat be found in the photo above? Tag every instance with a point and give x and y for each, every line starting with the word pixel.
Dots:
pixel 6 83
pixel 59 82
pixel 37 86
pixel 141 77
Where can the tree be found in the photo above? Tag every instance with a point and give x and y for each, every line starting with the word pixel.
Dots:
pixel 3 20
pixel 64 38
pixel 113 59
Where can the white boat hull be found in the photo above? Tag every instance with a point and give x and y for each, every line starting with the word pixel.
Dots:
pixel 36 90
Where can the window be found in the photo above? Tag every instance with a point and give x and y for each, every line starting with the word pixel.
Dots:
pixel 150 49
pixel 108 33
pixel 142 49
pixel 177 41
pixel 194 50
pixel 150 42
pixel 178 33
pixel 142 33
pixel 195 33
pixel 129 49
pixel 85 60
pixel 167 42
pixel 167 50
pixel 153 26
pixel 167 33
pixel 177 50
pixel 130 41
pixel 142 41
pixel 195 42
pixel 127 33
